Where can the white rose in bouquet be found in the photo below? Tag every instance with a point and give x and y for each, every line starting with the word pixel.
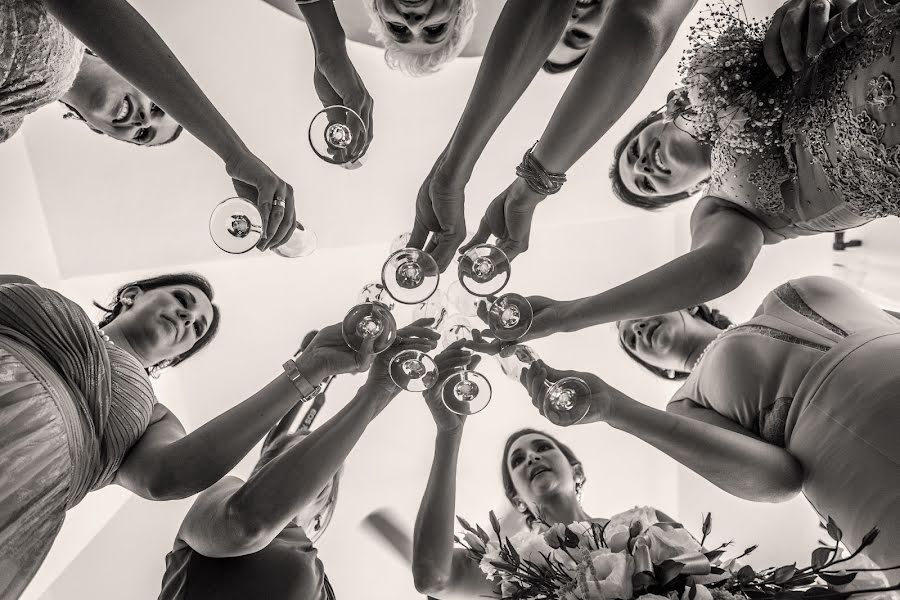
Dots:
pixel 530 546
pixel 669 542
pixel 701 594
pixel 491 554
pixel 605 576
pixel 653 597
pixel 619 529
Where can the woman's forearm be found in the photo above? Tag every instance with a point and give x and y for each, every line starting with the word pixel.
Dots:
pixel 202 457
pixel 126 41
pixel 633 38
pixel 699 276
pixel 433 537
pixel 523 38
pixel 324 26
pixel 743 466
pixel 279 491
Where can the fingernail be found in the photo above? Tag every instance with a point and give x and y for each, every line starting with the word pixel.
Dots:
pixel 779 71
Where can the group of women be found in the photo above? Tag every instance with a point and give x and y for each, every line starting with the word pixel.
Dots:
pixel 788 129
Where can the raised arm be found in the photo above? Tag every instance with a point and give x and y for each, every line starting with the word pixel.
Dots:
pixel 166 464
pixel 725 245
pixel 634 36
pixel 4 279
pixel 439 569
pixel 252 515
pixel 716 448
pixel 129 44
pixel 522 39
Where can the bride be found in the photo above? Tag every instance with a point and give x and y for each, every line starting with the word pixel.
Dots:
pixel 542 478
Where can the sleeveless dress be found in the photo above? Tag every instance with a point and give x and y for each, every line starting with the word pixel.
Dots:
pixel 289 565
pixel 817 154
pixel 39 59
pixel 817 372
pixel 71 406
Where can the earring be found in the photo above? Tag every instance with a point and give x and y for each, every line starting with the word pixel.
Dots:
pixel 158 367
pixel 126 301
pixel 579 488
pixel 522 507
pixel 670 374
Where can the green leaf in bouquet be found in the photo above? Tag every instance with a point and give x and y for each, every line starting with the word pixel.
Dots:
pixel 716 570
pixel 668 570
pixel 837 578
pixel 598 530
pixel 514 556
pixel 802 580
pixel 834 532
pixel 495 523
pixel 643 580
pixel 555 542
pixel 820 557
pixel 571 539
pixel 746 574
pixel 784 574
pixel 824 592
pixel 747 551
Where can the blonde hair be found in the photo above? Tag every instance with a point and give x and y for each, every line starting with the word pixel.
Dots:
pixel 415 64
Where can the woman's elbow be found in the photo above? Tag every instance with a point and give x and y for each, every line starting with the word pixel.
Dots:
pixel 646 21
pixel 730 268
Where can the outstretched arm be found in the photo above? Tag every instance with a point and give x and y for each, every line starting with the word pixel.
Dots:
pixel 523 38
pixel 724 247
pixel 633 38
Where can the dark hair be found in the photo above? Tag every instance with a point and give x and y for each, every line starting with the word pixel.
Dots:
pixel 554 68
pixel 508 487
pixel 618 186
pixel 114 309
pixel 710 315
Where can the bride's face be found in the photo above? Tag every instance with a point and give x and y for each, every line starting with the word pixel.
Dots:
pixel 661 341
pixel 662 160
pixel 580 32
pixel 538 469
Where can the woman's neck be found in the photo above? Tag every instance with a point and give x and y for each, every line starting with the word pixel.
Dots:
pixel 563 509
pixel 118 337
pixel 79 94
pixel 698 344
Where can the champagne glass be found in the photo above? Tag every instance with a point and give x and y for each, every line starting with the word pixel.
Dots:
pixel 371 318
pixel 413 370
pixel 461 300
pixel 410 276
pixel 454 328
pixel 236 226
pixel 338 135
pixel 484 270
pixel 466 392
pixel 510 317
pixel 565 402
pixel 400 242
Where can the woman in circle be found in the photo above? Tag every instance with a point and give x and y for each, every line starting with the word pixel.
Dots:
pixel 542 478
pixel 255 539
pixel 419 38
pixel 43 59
pixel 802 397
pixel 79 412
pixel 783 161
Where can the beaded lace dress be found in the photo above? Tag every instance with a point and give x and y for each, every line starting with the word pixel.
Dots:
pixel 814 153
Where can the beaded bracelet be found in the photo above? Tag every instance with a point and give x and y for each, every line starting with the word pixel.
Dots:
pixel 538 178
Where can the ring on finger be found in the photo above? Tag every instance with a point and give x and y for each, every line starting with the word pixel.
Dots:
pixel 279 201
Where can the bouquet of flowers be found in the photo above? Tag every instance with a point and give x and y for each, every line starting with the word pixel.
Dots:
pixel 634 556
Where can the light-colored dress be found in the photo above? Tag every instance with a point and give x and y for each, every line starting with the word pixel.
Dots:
pixel 71 406
pixel 815 155
pixel 817 371
pixel 288 568
pixel 39 59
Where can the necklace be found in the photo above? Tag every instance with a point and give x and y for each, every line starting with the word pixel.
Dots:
pixel 106 337
pixel 710 345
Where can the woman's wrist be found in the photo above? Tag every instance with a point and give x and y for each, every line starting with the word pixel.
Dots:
pixel 311 368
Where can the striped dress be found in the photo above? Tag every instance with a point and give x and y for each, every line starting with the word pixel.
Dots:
pixel 71 406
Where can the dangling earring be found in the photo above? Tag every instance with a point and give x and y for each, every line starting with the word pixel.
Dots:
pixel 670 374
pixel 579 489
pixel 522 507
pixel 126 301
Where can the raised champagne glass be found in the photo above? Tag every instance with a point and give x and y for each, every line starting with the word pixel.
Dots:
pixel 410 276
pixel 235 226
pixel 414 370
pixel 371 318
pixel 565 402
pixel 484 270
pixel 338 135
pixel 510 317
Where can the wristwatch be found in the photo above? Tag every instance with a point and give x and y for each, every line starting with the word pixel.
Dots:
pixel 307 390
